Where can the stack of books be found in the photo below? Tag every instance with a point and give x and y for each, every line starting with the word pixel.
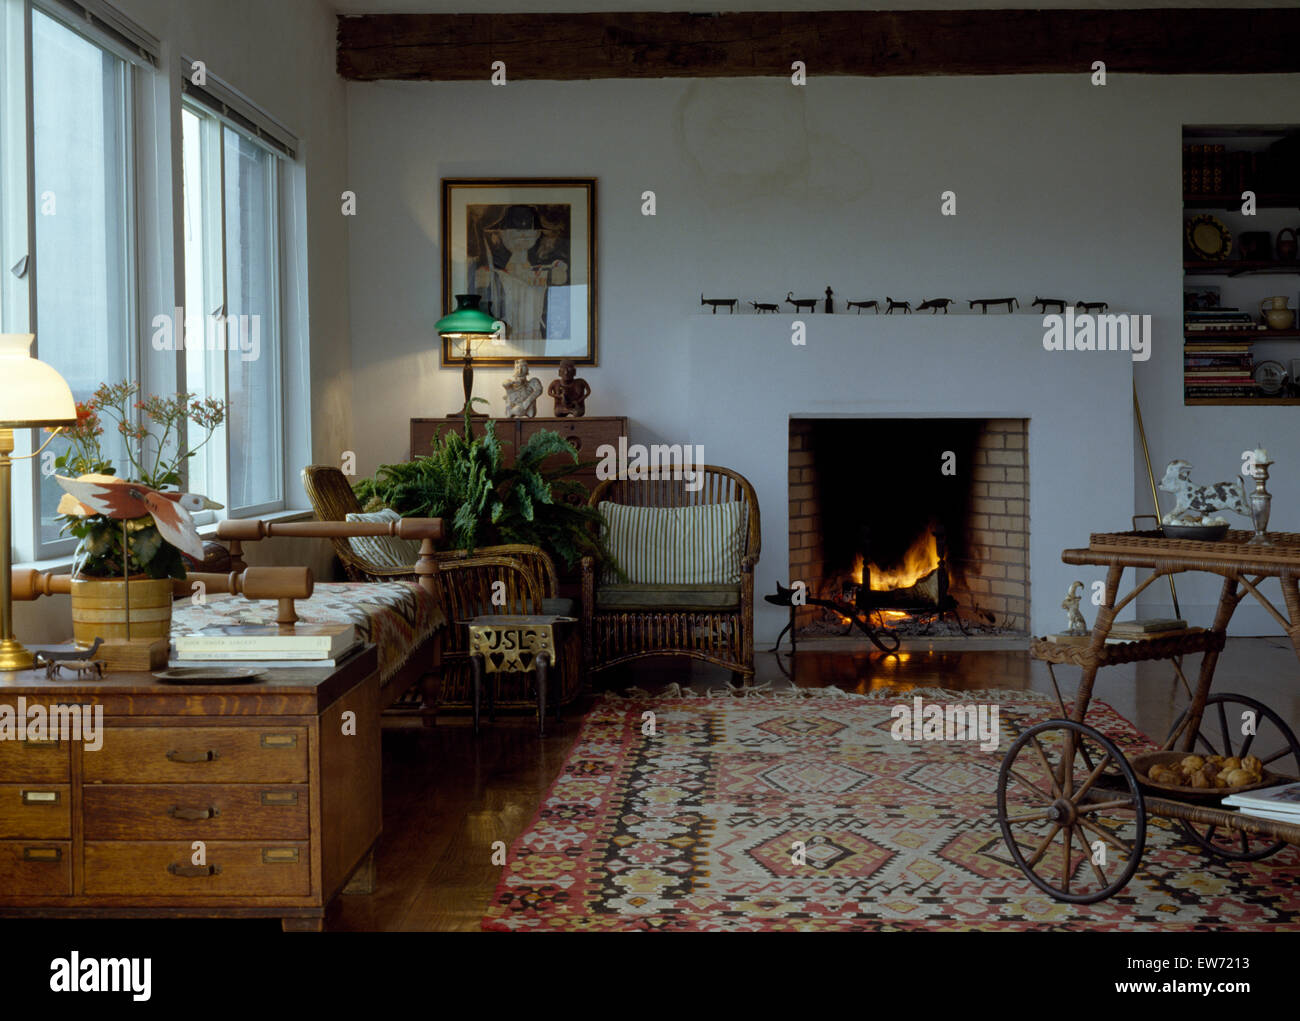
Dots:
pixel 1214 365
pixel 1205 169
pixel 1281 804
pixel 270 645
pixel 1147 627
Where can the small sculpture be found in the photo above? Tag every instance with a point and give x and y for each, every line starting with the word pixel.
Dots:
pixel 984 303
pixel 765 306
pixel 860 305
pixel 123 500
pixel 1090 306
pixel 570 392
pixel 522 392
pixel 728 303
pixel 801 303
pixel 934 305
pixel 1196 505
pixel 830 305
pixel 906 306
pixel 1074 622
pixel 1044 302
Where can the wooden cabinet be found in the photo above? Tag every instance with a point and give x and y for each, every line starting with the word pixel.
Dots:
pixel 586 434
pixel 279 782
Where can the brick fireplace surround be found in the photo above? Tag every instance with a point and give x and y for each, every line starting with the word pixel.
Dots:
pixel 993 575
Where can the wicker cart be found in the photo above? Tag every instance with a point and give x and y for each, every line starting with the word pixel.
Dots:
pixel 1072 808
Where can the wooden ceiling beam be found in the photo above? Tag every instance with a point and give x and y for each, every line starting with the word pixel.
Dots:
pixel 463 47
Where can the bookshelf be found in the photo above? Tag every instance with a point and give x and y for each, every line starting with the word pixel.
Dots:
pixel 1220 162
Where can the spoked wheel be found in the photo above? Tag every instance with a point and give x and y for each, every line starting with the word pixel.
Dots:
pixel 1071 811
pixel 1273 742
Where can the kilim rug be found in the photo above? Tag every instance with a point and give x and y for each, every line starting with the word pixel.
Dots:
pixel 691 829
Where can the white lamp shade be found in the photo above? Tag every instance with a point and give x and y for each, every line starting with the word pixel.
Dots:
pixel 31 392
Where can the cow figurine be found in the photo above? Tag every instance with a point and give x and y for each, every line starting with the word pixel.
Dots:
pixel 1198 505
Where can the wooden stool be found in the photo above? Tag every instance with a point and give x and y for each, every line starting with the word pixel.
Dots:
pixel 513 643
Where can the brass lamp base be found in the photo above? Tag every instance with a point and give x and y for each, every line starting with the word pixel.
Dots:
pixel 13 656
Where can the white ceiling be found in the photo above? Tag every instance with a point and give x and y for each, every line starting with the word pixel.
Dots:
pixel 601 6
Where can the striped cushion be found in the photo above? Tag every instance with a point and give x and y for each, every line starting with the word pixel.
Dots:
pixel 676 545
pixel 383 550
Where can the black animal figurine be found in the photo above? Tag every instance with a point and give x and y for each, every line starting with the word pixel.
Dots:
pixel 1044 302
pixel 860 305
pixel 830 305
pixel 934 305
pixel 1090 306
pixel 906 306
pixel 764 306
pixel 984 303
pixel 728 303
pixel 55 661
pixel 801 303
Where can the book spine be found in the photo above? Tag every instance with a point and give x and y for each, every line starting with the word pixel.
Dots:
pixel 194 656
pixel 260 643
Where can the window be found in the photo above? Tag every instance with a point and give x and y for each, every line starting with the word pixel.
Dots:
pixel 232 300
pixel 85 259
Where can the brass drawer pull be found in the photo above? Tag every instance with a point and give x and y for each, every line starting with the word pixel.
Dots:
pixel 40 743
pixel 191 814
pixel 279 797
pixel 193 871
pixel 42 854
pixel 279 855
pixel 208 756
pixel 40 797
pixel 279 740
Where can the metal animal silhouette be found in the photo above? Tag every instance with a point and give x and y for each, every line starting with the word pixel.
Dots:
pixel 801 303
pixel 1044 302
pixel 728 303
pixel 860 305
pixel 765 306
pixel 934 305
pixel 984 303
pixel 1090 306
pixel 906 306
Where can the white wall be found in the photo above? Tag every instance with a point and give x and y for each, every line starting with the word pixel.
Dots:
pixel 1063 189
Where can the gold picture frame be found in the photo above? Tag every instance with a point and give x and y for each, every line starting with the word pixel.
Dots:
pixel 527 247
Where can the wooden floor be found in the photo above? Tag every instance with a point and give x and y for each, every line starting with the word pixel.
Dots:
pixel 447 797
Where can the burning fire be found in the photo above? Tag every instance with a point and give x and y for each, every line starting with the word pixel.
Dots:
pixel 920 560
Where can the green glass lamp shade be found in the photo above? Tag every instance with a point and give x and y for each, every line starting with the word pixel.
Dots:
pixel 468 320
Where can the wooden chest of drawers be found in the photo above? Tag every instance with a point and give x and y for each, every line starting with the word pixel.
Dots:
pixel 255 800
pixel 586 434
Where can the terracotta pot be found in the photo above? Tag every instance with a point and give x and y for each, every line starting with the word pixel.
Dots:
pixel 99 609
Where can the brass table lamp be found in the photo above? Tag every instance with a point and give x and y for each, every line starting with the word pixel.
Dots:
pixel 32 395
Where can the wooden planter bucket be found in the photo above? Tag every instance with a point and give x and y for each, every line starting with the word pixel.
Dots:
pixel 99 609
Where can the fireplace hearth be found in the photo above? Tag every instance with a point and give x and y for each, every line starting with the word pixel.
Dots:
pixel 919 526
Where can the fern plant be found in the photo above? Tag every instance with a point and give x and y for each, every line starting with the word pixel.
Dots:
pixel 464 481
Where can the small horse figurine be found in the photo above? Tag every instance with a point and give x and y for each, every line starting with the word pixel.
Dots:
pixel 906 306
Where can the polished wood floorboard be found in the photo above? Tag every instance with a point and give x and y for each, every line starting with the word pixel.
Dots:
pixel 447 797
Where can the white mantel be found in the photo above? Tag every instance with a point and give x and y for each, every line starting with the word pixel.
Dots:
pixel 746 380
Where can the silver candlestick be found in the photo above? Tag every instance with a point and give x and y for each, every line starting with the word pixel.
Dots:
pixel 1260 504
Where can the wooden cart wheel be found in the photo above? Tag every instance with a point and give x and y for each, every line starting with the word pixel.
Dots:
pixel 1071 811
pixel 1273 742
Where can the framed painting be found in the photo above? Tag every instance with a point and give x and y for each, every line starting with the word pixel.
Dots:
pixel 527 247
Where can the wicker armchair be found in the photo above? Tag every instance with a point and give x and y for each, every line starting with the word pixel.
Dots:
pixel 615 632
pixel 464 586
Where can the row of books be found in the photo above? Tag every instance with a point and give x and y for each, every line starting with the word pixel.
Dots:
pixel 1218 367
pixel 271 645
pixel 1212 170
pixel 1217 320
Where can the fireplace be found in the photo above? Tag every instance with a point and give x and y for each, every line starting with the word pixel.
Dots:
pixel 922 522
